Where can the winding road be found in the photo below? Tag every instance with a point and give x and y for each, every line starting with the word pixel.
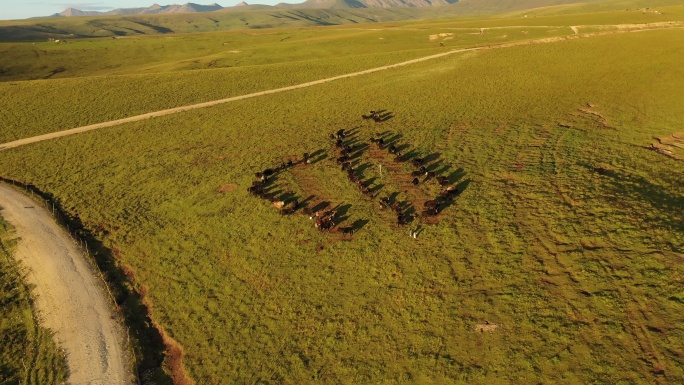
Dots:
pixel 70 298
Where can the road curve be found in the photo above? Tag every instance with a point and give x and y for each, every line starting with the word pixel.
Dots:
pixel 78 130
pixel 70 299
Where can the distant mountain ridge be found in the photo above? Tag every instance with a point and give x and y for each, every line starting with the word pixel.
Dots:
pixel 151 10
pixel 311 4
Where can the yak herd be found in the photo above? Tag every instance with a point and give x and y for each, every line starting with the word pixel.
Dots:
pixel 348 149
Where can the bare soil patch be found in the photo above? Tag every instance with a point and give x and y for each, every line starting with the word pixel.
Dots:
pixel 444 36
pixel 671 146
pixel 486 327
pixel 227 188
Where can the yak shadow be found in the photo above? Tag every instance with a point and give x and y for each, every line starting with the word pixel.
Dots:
pixel 320 206
pixel 392 140
pixel 356 163
pixel 445 204
pixel 275 171
pixel 432 157
pixel 362 168
pixel 402 147
pixel 360 148
pixel 368 182
pixel 461 187
pixel 305 203
pixel 409 210
pixel 340 213
pixel 322 157
pixel 376 189
pixel 439 171
pixel 451 199
pixel 434 166
pixel 351 133
pixel 455 176
pixel 356 155
pixel 384 117
pixel 317 153
pixel 341 210
pixel 401 207
pixel 359 224
pixel 287 197
pixel 393 198
pixel 352 142
pixel 273 192
pixel 410 155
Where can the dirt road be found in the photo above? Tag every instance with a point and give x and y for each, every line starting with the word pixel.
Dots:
pixel 619 29
pixel 71 300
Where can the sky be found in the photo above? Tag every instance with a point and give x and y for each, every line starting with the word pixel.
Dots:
pixel 22 9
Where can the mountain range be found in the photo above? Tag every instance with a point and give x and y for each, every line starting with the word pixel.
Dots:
pixel 196 8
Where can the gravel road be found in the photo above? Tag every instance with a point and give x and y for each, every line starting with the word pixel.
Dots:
pixel 71 299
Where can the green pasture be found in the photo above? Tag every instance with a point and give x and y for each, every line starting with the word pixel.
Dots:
pixel 89 81
pixel 111 79
pixel 580 270
pixel 28 354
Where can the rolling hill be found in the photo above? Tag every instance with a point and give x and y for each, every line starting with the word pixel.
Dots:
pixel 307 14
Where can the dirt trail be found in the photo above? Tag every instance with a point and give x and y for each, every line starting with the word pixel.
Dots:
pixel 70 299
pixel 78 130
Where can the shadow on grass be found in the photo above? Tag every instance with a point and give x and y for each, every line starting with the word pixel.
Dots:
pixel 668 205
pixel 385 116
pixel 320 206
pixel 431 157
pixel 359 224
pixel 455 176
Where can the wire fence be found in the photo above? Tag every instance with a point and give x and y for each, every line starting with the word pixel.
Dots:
pixel 62 219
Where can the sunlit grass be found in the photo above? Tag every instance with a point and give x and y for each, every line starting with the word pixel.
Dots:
pixel 580 270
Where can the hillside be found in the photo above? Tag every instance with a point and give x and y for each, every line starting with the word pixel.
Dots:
pixel 307 14
pixel 151 10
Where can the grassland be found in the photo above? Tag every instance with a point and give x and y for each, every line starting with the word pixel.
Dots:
pixel 28 355
pixel 244 18
pixel 581 270
pixel 105 80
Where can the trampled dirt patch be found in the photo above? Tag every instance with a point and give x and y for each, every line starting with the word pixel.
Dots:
pixel 486 327
pixel 671 146
pixel 589 116
pixel 227 188
pixel 445 36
